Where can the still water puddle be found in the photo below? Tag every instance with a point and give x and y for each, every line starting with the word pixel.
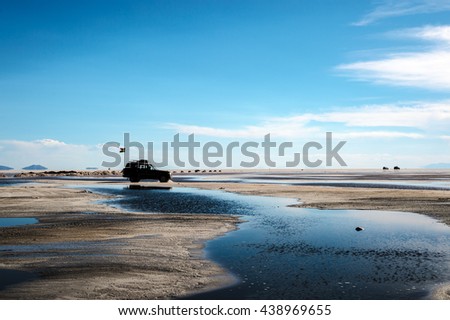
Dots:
pixel 9 182
pixel 14 222
pixel 12 277
pixel 282 252
pixel 432 184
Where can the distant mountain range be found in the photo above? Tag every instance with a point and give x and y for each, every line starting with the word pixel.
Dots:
pixel 35 167
pixel 6 168
pixel 438 166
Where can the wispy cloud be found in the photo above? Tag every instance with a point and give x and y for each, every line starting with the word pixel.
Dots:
pixel 438 34
pixel 418 115
pixel 424 69
pixel 396 8
pixel 384 121
pixel 278 127
pixel 48 143
pixel 378 134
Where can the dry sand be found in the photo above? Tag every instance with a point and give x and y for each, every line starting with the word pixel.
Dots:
pixel 107 255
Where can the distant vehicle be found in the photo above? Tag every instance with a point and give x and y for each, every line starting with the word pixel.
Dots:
pixel 141 169
pixel 396 168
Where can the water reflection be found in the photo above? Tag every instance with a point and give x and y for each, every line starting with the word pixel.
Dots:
pixel 291 253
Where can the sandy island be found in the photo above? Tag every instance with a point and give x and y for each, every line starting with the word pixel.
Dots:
pixel 106 253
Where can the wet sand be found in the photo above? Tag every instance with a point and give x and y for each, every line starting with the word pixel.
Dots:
pixel 84 250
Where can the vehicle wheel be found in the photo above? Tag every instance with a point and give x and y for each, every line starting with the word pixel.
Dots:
pixel 134 179
pixel 163 179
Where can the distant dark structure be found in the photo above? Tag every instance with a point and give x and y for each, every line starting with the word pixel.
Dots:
pixel 396 168
pixel 35 167
pixel 359 229
pixel 385 168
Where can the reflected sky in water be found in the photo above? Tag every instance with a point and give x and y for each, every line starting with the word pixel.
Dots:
pixel 282 252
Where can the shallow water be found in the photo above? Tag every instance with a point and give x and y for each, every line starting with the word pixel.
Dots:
pixel 319 255
pixel 13 222
pixel 294 253
pixel 11 277
pixel 431 184
pixel 8 182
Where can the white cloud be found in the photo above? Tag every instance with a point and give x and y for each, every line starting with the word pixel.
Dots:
pixel 438 34
pixel 423 70
pixel 381 119
pixel 419 115
pixel 50 153
pixel 50 143
pixel 396 8
pixel 426 69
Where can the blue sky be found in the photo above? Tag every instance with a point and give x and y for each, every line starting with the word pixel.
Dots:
pixel 74 75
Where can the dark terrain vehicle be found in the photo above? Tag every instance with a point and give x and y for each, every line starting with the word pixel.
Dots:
pixel 138 170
